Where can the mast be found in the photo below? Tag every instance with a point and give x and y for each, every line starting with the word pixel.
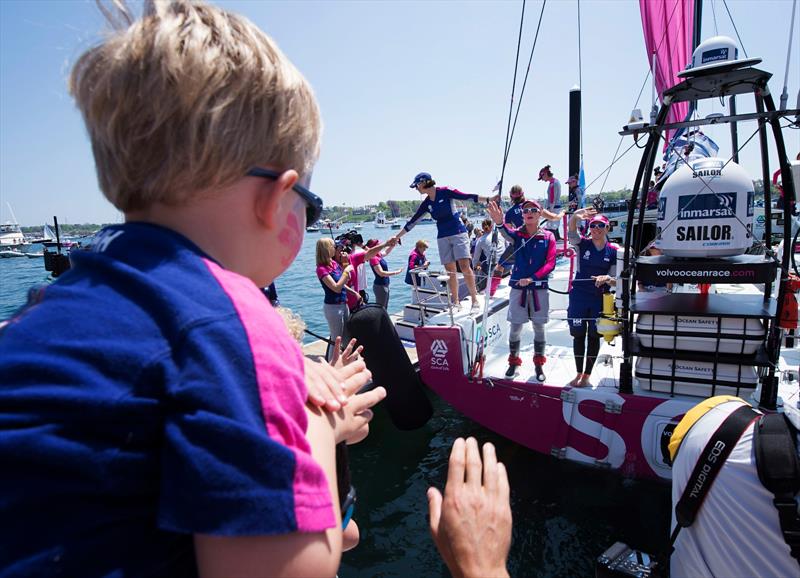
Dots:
pixel 574 130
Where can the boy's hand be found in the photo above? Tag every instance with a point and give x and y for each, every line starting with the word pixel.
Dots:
pixel 351 423
pixel 350 354
pixel 325 385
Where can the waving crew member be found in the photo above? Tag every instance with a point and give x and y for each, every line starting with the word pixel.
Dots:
pixel 534 259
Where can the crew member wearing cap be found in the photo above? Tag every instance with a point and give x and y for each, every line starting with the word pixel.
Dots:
pixel 574 194
pixel 515 219
pixel 535 251
pixel 595 272
pixel 452 235
pixel 553 188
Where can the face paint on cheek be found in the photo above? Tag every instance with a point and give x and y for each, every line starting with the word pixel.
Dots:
pixel 291 235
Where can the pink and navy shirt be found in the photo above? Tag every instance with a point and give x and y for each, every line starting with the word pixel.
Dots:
pixel 149 395
pixel 335 271
pixel 534 255
pixel 441 209
pixel 415 259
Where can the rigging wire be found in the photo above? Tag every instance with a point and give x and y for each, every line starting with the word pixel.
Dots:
pixel 524 84
pixel 511 103
pixel 785 93
pixel 725 3
pixel 614 159
pixel 714 13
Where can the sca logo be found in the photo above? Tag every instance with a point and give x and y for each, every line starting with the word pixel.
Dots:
pixel 439 354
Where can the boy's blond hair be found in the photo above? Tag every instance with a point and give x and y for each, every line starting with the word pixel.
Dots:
pixel 422 244
pixel 188 99
pixel 325 246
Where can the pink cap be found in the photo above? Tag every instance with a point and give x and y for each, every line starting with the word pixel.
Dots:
pixel 601 218
pixel 533 203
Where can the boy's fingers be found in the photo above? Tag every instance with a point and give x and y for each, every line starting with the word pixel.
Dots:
pixel 366 400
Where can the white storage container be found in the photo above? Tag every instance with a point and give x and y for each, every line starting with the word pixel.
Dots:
pixel 736 335
pixel 694 377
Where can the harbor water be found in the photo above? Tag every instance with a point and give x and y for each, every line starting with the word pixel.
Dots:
pixel 564 514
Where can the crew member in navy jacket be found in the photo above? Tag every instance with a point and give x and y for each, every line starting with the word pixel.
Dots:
pixel 452 235
pixel 534 259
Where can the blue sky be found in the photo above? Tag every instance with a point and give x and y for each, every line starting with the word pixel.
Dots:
pixel 403 87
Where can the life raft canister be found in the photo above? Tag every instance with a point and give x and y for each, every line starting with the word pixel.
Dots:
pixel 706 210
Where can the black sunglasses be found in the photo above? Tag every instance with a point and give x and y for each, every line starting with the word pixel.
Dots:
pixel 313 202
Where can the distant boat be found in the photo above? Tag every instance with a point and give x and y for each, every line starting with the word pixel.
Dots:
pixel 312 229
pixel 395 225
pixel 380 220
pixel 10 253
pixel 10 232
pixel 47 235
pixel 33 255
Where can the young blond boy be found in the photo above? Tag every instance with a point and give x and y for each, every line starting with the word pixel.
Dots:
pixel 153 403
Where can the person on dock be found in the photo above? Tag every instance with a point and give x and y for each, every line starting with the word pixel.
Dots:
pixel 471 524
pixel 535 258
pixel 163 429
pixel 356 258
pixel 380 287
pixel 333 278
pixel 452 234
pixel 595 272
pixel 417 260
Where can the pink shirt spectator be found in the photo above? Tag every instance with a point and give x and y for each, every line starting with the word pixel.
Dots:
pixel 356 260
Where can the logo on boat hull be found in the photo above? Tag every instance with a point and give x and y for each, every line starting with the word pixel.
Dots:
pixel 439 355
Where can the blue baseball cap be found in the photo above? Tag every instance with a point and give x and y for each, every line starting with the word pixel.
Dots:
pixel 420 178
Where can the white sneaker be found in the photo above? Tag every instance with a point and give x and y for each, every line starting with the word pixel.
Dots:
pixel 456 306
pixel 475 306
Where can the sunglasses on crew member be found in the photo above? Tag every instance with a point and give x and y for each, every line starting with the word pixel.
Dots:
pixel 597 225
pixel 528 210
pixel 313 202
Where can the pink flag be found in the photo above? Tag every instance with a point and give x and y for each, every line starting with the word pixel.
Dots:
pixel 668 26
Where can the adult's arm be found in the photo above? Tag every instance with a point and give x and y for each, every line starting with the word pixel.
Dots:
pixel 551 216
pixel 381 272
pixel 573 236
pixel 288 555
pixel 424 207
pixel 372 251
pixel 549 260
pixel 336 286
pixel 456 194
pixel 476 253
